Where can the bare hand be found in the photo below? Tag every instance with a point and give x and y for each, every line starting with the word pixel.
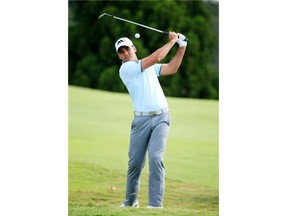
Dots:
pixel 173 36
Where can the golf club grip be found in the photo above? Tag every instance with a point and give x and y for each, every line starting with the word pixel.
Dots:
pixel 185 39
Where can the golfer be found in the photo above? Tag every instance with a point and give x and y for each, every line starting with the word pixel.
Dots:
pixel 151 123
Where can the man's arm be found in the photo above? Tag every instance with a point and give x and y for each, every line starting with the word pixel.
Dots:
pixel 174 64
pixel 159 54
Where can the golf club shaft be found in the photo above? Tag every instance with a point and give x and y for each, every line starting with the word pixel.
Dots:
pixel 135 23
pixel 139 24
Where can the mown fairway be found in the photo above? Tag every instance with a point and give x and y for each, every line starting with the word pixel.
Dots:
pixel 99 127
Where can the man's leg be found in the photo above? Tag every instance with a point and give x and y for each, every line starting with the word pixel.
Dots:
pixel 156 149
pixel 139 137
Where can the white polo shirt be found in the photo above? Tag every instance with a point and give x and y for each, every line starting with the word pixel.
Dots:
pixel 144 87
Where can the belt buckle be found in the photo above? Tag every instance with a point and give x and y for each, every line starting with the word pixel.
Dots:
pixel 152 113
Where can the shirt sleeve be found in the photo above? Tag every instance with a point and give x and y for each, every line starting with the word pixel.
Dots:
pixel 157 68
pixel 129 70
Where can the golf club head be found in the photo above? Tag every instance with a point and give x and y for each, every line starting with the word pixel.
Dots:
pixel 105 14
pixel 102 15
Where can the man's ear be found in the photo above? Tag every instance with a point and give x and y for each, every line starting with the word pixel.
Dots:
pixel 119 56
pixel 135 49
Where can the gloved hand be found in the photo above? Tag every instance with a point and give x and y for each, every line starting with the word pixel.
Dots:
pixel 181 41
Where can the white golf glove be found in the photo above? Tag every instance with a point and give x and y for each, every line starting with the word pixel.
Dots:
pixel 181 41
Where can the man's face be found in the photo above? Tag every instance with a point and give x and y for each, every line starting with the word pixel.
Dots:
pixel 127 53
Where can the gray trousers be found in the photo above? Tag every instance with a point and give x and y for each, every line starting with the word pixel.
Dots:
pixel 148 134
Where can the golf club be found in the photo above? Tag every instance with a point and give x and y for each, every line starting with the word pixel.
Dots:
pixel 135 23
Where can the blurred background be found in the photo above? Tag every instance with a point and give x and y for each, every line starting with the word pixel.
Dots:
pixel 93 62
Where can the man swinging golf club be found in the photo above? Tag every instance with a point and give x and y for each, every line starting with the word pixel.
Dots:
pixel 151 123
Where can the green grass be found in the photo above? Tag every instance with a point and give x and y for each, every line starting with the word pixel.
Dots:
pixel 99 127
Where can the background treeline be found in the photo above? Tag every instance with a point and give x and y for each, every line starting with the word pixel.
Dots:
pixel 93 61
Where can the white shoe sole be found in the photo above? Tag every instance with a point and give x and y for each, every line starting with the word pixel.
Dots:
pixel 154 207
pixel 135 205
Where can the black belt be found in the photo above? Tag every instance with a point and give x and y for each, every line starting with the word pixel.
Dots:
pixel 152 113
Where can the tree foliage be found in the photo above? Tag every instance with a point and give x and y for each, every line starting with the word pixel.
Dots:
pixel 93 62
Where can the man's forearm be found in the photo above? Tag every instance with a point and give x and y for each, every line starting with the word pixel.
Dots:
pixel 157 56
pixel 175 62
pixel 163 51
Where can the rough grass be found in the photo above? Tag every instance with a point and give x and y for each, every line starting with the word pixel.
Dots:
pixel 99 191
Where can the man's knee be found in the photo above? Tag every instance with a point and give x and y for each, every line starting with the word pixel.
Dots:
pixel 135 165
pixel 156 162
